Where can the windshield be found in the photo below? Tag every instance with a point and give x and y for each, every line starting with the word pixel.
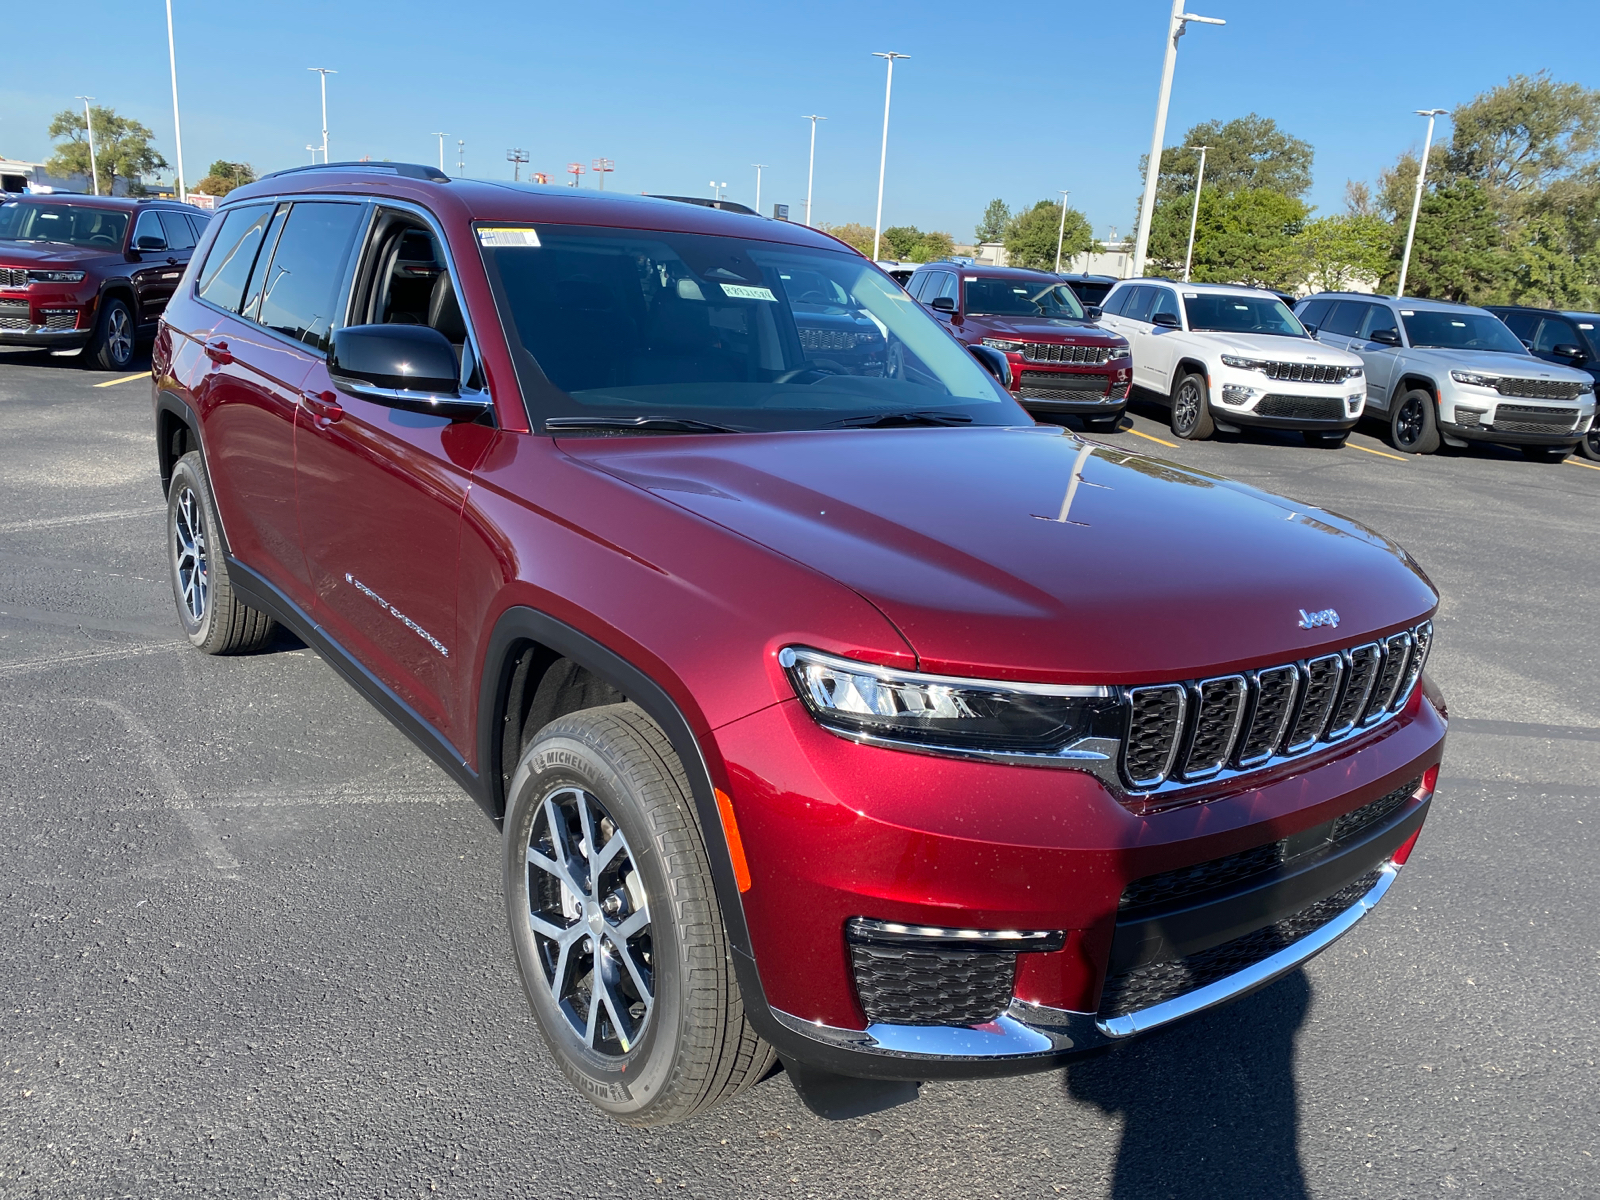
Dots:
pixel 1589 330
pixel 1241 314
pixel 621 323
pixel 1020 298
pixel 1459 331
pixel 71 224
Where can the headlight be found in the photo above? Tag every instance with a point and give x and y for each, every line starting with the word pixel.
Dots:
pixel 939 712
pixel 1115 352
pixel 1473 379
pixel 1586 386
pixel 1243 364
pixel 1354 372
pixel 55 276
pixel 1002 344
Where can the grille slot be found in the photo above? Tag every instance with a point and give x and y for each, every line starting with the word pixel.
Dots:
pixel 1055 352
pixel 1538 389
pixel 1361 666
pixel 1155 723
pixel 1321 689
pixel 1275 692
pixel 1374 811
pixel 1219 708
pixel 1421 640
pixel 1303 408
pixel 900 985
pixel 1395 650
pixel 13 277
pixel 1306 372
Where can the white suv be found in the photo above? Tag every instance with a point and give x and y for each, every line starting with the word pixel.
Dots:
pixel 1224 357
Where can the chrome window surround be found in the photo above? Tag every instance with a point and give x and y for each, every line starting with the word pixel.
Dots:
pixel 1103 757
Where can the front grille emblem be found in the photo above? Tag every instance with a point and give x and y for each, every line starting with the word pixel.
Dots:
pixel 1328 617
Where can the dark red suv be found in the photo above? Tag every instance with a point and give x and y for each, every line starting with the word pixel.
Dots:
pixel 90 273
pixel 1060 360
pixel 831 709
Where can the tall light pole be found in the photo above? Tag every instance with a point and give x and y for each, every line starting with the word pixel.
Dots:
pixel 88 120
pixel 324 72
pixel 1416 201
pixel 758 167
pixel 602 167
pixel 883 156
pixel 177 129
pixel 313 150
pixel 440 136
pixel 1194 217
pixel 1061 230
pixel 516 158
pixel 1175 29
pixel 811 168
pixel 461 155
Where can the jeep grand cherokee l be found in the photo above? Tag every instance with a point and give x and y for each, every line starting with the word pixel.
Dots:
pixel 90 272
pixel 841 716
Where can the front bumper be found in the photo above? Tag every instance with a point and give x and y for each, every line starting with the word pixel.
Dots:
pixel 1484 415
pixel 55 318
pixel 1249 398
pixel 1089 389
pixel 834 830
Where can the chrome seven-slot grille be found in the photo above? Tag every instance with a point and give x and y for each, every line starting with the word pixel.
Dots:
pixel 13 277
pixel 1538 389
pixel 827 339
pixel 1053 352
pixel 1182 733
pixel 1307 372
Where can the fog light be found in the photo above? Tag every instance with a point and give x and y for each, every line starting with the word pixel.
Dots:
pixel 1353 403
pixel 1470 417
pixel 1234 393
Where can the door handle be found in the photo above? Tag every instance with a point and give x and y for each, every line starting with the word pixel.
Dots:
pixel 217 351
pixel 323 407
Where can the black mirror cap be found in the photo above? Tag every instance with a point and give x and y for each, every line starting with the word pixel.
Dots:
pixel 149 241
pixel 994 362
pixel 1311 330
pixel 944 304
pixel 1385 337
pixel 1093 312
pixel 401 358
pixel 1568 350
pixel 1167 320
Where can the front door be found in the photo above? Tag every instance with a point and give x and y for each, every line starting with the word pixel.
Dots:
pixel 1377 358
pixel 160 264
pixel 381 490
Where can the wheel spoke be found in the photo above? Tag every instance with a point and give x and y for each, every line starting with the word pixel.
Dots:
pixel 593 1025
pixel 611 849
pixel 586 823
pixel 639 983
pixel 619 1023
pixel 559 934
pixel 558 842
pixel 632 925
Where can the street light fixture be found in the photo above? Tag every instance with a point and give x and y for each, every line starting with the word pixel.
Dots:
pixel 716 190
pixel 177 129
pixel 758 167
pixel 883 155
pixel 1176 26
pixel 324 72
pixel 88 120
pixel 1061 230
pixel 812 166
pixel 603 167
pixel 516 158
pixel 1416 201
pixel 1194 217
pixel 461 159
pixel 440 136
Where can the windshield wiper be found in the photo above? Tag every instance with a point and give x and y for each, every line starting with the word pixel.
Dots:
pixel 889 420
pixel 643 424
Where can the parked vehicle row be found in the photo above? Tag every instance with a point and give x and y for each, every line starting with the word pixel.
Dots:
pixel 768 654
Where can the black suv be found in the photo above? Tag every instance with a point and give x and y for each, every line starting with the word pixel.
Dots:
pixel 1569 339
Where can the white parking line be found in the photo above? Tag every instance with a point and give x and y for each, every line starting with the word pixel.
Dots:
pixel 120 514
pixel 27 666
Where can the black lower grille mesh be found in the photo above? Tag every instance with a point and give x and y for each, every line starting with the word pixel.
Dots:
pixel 1374 811
pixel 1157 982
pixel 1305 408
pixel 905 986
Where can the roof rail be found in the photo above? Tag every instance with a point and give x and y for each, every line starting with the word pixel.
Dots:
pixel 409 170
pixel 703 202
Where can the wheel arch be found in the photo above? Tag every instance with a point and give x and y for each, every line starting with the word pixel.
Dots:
pixel 118 289
pixel 1410 381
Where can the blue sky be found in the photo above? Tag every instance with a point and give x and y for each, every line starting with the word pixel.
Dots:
pixel 1013 100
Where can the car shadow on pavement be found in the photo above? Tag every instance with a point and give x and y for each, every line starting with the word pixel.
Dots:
pixel 1209 1108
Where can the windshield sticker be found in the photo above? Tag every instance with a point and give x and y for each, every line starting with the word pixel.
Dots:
pixel 1408 312
pixel 741 291
pixel 501 238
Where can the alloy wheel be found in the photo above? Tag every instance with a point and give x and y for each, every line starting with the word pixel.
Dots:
pixel 119 334
pixel 189 546
pixel 1186 406
pixel 1408 424
pixel 590 922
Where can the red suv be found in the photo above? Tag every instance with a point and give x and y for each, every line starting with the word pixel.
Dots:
pixel 90 272
pixel 831 710
pixel 1060 360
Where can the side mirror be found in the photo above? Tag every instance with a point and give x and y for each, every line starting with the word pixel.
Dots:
pixel 1311 330
pixel 1385 337
pixel 1094 312
pixel 149 241
pixel 1167 320
pixel 1568 350
pixel 944 304
pixel 412 367
pixel 994 362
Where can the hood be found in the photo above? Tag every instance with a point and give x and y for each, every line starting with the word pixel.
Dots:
pixel 1280 349
pixel 1494 362
pixel 1027 553
pixel 51 254
pixel 1042 329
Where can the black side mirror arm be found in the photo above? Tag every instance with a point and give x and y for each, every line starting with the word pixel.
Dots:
pixel 994 362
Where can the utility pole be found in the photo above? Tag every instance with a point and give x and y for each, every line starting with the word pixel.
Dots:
pixel 324 72
pixel 603 167
pixel 461 161
pixel 516 158
pixel 576 170
pixel 1194 217
pixel 1416 201
pixel 88 119
pixel 177 129
pixel 811 168
pixel 883 155
pixel 440 136
pixel 1061 230
pixel 1175 30
pixel 758 167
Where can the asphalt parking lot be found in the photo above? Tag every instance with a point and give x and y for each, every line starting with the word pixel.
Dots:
pixel 253 941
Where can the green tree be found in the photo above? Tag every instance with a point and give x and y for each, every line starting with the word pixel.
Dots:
pixel 1526 134
pixel 852 233
pixel 122 148
pixel 223 176
pixel 1330 254
pixel 1248 152
pixel 995 219
pixel 900 241
pixel 1030 236
pixel 933 246
pixel 1459 252
pixel 1245 236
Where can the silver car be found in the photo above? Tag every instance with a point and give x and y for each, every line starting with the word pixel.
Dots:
pixel 1453 374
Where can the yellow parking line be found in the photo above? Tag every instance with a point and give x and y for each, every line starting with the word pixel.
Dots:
pixel 1148 438
pixel 124 379
pixel 1576 463
pixel 1379 453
